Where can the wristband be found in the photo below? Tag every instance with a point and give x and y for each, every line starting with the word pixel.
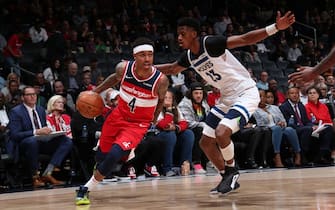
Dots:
pixel 271 29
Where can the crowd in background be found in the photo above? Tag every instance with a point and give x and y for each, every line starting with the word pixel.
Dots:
pixel 66 47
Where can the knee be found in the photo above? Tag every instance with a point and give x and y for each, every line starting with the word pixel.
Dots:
pixel 223 134
pixel 30 142
pixel 275 128
pixel 67 141
pixel 189 134
pixel 169 137
pixel 172 136
pixel 206 142
pixel 290 131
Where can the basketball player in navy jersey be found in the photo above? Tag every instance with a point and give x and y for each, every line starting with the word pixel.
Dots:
pixel 142 92
pixel 209 56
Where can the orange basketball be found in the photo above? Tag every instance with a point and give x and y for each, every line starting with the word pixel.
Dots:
pixel 90 104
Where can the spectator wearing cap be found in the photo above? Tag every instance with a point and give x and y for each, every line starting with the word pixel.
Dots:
pixel 111 101
pixel 195 108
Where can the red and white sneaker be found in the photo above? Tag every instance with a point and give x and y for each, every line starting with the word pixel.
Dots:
pixel 198 169
pixel 151 171
pixel 131 173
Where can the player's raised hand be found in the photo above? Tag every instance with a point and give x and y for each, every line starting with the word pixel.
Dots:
pixel 283 22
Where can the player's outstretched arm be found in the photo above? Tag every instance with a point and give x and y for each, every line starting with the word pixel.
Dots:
pixel 306 73
pixel 112 79
pixel 170 68
pixel 162 86
pixel 252 37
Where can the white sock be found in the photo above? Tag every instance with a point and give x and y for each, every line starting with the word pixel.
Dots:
pixel 92 183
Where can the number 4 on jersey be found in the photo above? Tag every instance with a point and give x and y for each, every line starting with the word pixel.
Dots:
pixel 131 105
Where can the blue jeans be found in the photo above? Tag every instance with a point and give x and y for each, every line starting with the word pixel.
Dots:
pixel 291 135
pixel 180 145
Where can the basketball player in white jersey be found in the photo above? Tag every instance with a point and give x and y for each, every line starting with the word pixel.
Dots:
pixel 209 56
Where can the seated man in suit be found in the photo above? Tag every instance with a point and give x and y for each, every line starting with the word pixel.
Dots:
pixel 28 120
pixel 293 107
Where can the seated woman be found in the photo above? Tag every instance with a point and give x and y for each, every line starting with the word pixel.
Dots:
pixel 57 121
pixel 178 139
pixel 270 116
pixel 318 113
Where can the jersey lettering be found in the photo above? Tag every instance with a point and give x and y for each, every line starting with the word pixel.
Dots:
pixel 205 66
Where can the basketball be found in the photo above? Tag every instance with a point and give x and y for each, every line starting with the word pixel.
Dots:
pixel 90 104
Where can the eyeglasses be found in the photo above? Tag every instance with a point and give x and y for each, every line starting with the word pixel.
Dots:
pixel 30 94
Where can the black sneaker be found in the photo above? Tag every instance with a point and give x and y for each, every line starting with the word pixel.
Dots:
pixel 228 182
pixel 215 191
pixel 82 196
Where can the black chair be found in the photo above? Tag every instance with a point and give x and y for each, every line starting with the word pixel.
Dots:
pixel 269 66
pixel 276 73
pixel 256 68
pixel 282 84
pixel 288 71
pixel 282 64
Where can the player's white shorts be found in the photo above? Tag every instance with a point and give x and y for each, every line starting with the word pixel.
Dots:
pixel 233 113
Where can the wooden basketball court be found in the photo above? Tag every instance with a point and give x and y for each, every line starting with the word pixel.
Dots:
pixel 311 188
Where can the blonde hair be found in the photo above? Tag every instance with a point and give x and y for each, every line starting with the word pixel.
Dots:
pixel 51 102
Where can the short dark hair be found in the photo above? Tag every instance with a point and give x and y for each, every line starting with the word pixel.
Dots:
pixel 25 88
pixel 141 41
pixel 190 22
